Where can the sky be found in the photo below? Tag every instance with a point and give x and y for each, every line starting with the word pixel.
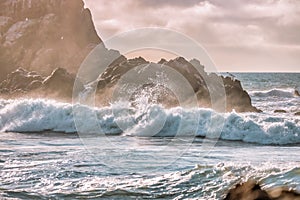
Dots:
pixel 238 35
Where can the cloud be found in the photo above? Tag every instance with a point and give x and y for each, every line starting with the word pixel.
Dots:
pixel 230 30
pixel 168 3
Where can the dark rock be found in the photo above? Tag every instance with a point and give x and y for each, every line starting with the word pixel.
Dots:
pixel 162 61
pixel 60 83
pixel 296 93
pixel 251 190
pixel 190 73
pixel 280 111
pixel 237 98
pixel 118 68
pixel 297 113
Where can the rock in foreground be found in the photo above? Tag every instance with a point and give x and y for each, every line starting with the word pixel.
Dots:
pixel 252 191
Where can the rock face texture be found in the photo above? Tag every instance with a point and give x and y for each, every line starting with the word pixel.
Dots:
pixel 45 34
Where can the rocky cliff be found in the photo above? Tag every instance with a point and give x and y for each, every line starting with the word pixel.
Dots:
pixel 45 34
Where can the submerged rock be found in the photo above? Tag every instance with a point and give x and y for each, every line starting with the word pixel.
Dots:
pixel 280 111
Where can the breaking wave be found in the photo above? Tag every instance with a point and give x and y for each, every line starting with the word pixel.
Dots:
pixel 46 115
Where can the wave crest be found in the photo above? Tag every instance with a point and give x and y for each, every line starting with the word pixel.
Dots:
pixel 46 115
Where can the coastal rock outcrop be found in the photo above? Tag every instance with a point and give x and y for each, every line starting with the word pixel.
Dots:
pixel 235 96
pixel 43 35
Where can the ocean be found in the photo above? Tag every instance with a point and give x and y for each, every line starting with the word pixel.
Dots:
pixel 41 156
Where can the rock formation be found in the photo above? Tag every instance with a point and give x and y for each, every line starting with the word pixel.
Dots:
pixel 236 97
pixel 45 34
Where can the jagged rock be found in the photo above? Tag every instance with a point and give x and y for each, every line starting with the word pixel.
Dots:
pixel 297 113
pixel 162 61
pixel 251 190
pixel 236 98
pixel 43 35
pixel 118 68
pixel 60 83
pixel 188 71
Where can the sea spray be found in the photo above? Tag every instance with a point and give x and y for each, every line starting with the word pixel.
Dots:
pixel 41 115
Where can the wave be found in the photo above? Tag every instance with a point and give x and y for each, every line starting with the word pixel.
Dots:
pixel 283 93
pixel 46 115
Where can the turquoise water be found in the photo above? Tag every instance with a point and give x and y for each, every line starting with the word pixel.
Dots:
pixel 48 161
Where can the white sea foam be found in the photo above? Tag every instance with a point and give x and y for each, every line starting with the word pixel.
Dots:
pixel 42 115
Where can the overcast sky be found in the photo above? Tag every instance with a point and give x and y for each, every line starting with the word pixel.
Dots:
pixel 239 35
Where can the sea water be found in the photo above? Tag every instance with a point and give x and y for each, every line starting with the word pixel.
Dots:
pixel 42 157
